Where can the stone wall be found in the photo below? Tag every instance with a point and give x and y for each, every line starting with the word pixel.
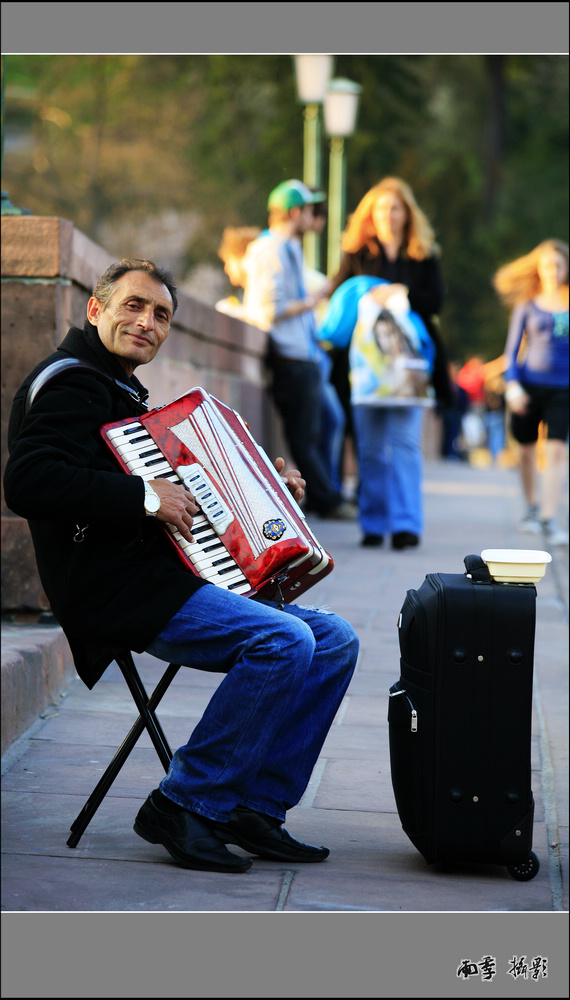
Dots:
pixel 49 269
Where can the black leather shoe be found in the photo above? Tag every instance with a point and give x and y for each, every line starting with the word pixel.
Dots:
pixel 266 837
pixel 404 540
pixel 372 541
pixel 188 838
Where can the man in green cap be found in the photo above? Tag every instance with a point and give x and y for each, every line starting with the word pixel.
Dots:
pixel 277 301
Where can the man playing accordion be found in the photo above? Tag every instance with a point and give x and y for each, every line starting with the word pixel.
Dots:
pixel 114 582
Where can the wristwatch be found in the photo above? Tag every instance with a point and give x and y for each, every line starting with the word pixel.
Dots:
pixel 151 500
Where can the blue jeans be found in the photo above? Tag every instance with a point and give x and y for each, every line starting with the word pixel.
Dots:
pixel 332 434
pixel 390 465
pixel 259 738
pixel 495 427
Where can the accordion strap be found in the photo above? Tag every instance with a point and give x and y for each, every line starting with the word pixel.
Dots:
pixel 52 371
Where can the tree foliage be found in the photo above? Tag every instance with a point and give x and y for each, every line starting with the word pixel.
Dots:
pixel 110 139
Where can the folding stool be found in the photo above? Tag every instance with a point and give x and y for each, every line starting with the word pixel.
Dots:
pixel 147 720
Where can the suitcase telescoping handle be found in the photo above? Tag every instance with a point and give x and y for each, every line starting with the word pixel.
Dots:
pixel 477 569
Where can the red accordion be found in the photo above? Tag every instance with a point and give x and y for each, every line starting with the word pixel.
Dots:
pixel 250 535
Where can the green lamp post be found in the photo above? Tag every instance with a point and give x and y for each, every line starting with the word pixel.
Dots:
pixel 312 74
pixel 340 110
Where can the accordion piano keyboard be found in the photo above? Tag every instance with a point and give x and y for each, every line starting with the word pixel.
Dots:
pixel 207 552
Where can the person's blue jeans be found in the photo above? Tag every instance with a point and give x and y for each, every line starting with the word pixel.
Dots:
pixel 495 427
pixel 390 465
pixel 332 434
pixel 259 738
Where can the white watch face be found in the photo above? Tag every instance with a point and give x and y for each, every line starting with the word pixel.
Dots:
pixel 151 502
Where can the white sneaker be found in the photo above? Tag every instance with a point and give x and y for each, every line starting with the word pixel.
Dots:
pixel 554 535
pixel 530 524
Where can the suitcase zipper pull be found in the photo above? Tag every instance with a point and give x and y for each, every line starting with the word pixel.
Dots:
pixel 413 711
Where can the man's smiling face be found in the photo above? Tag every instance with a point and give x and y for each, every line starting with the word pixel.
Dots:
pixel 136 320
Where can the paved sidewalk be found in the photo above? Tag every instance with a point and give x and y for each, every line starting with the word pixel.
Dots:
pixel 349 805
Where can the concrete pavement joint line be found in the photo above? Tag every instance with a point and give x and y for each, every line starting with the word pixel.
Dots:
pixel 339 718
pixel 559 588
pixel 285 890
pixel 549 800
pixel 370 619
pixel 312 788
pixel 20 746
pixel 553 602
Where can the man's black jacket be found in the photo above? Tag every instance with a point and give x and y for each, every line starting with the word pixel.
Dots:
pixel 118 588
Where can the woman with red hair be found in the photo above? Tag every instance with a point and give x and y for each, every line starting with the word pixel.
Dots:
pixel 389 237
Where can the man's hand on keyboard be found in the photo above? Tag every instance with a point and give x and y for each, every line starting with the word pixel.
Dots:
pixel 177 506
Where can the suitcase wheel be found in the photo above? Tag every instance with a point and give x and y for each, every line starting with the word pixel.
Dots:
pixel 525 871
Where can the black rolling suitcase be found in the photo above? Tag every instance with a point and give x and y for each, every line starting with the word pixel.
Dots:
pixel 460 720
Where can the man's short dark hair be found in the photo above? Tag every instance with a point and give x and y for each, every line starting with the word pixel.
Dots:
pixel 320 208
pixel 106 284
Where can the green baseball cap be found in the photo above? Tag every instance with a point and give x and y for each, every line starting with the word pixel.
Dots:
pixel 293 194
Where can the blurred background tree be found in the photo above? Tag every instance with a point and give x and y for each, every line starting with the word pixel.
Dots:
pixel 156 154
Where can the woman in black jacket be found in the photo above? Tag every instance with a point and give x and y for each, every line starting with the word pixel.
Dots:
pixel 389 237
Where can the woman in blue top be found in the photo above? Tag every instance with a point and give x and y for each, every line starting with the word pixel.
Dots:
pixel 536 285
